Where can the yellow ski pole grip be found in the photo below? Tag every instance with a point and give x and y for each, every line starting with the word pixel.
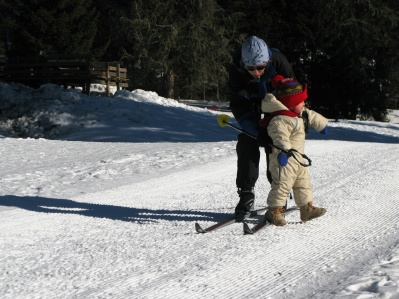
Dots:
pixel 223 120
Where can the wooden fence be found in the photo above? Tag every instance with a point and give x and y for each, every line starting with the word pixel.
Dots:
pixel 67 73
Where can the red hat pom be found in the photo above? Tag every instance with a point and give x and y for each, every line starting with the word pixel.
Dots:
pixel 276 81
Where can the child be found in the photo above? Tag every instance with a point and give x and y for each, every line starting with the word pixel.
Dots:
pixel 286 128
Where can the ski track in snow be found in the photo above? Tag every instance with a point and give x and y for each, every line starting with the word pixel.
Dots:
pixel 266 270
pixel 117 243
pixel 76 162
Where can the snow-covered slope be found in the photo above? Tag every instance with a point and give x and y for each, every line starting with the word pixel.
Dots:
pixel 106 209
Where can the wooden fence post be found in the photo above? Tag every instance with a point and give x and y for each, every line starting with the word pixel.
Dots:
pixel 118 76
pixel 108 91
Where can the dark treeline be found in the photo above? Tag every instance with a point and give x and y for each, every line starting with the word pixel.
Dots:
pixel 347 51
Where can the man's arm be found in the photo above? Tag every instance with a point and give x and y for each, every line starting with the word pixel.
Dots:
pixel 281 65
pixel 240 104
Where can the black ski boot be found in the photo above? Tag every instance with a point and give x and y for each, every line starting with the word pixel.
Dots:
pixel 246 203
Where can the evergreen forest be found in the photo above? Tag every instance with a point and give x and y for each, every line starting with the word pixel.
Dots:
pixel 346 50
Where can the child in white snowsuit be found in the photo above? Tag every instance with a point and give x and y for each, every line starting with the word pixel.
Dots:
pixel 286 128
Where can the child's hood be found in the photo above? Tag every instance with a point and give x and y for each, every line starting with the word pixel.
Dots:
pixel 271 104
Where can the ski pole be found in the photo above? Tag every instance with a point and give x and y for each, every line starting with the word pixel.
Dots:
pixel 224 120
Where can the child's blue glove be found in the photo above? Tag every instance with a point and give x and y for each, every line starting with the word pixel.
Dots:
pixel 282 159
pixel 324 131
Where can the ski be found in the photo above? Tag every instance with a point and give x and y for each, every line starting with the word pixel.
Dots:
pixel 226 222
pixel 264 223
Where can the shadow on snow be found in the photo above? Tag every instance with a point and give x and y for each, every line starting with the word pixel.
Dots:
pixel 67 206
pixel 352 134
pixel 191 126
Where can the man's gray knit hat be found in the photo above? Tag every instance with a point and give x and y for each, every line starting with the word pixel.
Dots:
pixel 254 51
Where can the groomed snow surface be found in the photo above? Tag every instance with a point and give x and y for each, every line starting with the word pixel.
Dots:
pixel 102 203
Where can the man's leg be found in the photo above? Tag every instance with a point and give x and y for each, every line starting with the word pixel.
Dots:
pixel 248 156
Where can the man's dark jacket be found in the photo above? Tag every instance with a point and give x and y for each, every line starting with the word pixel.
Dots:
pixel 247 93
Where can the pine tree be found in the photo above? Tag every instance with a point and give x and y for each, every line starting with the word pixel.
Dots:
pixel 351 68
pixel 44 27
pixel 177 44
pixel 111 38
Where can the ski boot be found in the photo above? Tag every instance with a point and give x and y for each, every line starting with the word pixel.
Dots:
pixel 246 203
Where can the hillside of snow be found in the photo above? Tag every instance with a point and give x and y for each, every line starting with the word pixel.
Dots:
pixel 100 201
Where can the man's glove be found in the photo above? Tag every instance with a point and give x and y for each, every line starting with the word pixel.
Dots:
pixel 324 131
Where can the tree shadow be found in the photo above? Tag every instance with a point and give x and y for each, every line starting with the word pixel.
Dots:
pixel 129 214
pixel 352 134
pixel 141 122
pixel 191 126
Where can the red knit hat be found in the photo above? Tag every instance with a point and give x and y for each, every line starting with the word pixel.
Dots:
pixel 289 91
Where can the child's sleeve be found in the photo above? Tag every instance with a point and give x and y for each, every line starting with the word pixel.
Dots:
pixel 316 120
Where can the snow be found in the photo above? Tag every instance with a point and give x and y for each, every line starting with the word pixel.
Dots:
pixel 102 203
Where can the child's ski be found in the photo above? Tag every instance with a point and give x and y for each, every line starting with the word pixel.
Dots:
pixel 226 222
pixel 263 223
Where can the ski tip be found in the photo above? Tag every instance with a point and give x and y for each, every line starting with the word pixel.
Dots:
pixel 247 230
pixel 199 229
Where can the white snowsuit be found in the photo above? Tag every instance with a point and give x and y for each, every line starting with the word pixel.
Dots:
pixel 289 133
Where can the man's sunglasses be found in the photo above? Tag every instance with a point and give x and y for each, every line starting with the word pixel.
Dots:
pixel 252 68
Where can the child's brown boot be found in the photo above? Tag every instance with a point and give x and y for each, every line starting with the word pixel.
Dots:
pixel 276 216
pixel 309 212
